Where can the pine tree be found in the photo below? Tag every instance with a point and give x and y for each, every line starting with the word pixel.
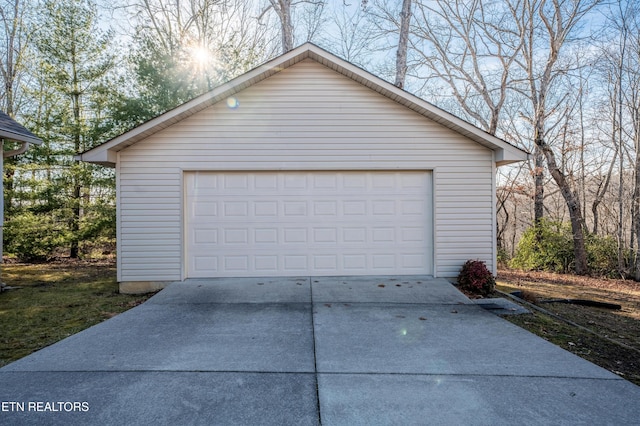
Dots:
pixel 75 67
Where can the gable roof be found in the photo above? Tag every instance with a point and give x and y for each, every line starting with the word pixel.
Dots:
pixel 12 130
pixel 106 153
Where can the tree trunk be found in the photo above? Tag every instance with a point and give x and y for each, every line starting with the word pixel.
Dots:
pixel 636 215
pixel 596 217
pixel 621 259
pixel 403 41
pixel 636 201
pixel 577 223
pixel 600 193
pixel 538 179
pixel 74 251
pixel 287 25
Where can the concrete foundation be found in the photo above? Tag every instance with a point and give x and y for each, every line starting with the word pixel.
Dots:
pixel 141 287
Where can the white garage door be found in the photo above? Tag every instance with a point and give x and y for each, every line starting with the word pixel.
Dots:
pixel 240 224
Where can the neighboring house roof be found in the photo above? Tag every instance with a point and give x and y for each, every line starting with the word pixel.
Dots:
pixel 105 153
pixel 11 130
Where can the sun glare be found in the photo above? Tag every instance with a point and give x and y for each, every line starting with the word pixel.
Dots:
pixel 201 56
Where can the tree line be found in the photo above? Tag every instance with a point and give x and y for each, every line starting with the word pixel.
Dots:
pixel 558 78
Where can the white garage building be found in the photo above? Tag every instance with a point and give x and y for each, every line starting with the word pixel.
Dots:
pixel 304 166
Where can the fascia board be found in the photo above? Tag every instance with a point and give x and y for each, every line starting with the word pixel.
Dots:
pixel 19 137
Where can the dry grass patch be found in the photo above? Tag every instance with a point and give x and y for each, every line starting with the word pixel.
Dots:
pixel 616 342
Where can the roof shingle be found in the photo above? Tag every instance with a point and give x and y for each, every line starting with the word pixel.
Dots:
pixel 12 130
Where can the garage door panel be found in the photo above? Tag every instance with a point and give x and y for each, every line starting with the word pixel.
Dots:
pixel 323 223
pixel 315 237
pixel 316 264
pixel 204 236
pixel 268 236
pixel 266 208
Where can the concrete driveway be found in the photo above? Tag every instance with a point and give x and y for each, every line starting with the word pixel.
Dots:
pixel 307 351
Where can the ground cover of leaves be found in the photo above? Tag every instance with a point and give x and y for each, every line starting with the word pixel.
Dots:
pixel 614 340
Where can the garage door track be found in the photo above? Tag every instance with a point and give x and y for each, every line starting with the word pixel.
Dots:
pixel 306 351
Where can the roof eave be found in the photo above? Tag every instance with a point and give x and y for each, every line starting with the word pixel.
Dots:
pixel 107 158
pixel 504 158
pixel 19 137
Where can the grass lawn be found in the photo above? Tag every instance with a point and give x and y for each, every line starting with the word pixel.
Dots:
pixel 54 301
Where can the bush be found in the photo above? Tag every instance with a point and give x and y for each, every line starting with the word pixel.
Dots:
pixel 602 255
pixel 476 278
pixel 42 232
pixel 33 237
pixel 503 257
pixel 547 246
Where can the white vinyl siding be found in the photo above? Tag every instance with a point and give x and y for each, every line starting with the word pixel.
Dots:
pixel 306 117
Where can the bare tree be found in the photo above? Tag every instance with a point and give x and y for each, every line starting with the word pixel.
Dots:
pixel 284 10
pixel 182 49
pixel 606 130
pixel 601 187
pixel 551 25
pixel 312 21
pixel 472 47
pixel 178 27
pixel 13 48
pixel 507 193
pixel 353 37
pixel 624 66
pixel 172 21
pixel 393 26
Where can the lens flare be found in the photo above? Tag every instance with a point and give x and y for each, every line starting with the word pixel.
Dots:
pixel 232 103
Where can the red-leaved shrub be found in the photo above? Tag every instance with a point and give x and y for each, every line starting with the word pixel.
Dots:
pixel 476 278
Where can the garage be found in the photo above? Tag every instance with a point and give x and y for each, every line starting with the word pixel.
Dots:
pixel 308 223
pixel 304 166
